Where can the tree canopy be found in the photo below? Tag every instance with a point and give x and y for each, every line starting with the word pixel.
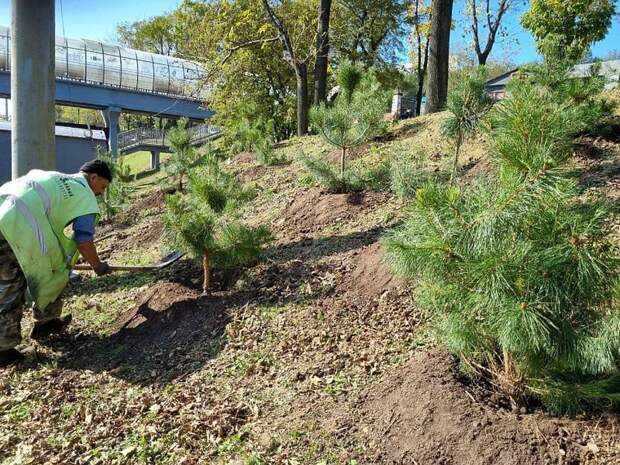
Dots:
pixel 574 24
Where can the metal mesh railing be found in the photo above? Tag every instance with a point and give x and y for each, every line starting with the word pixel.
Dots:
pixel 110 65
pixel 154 137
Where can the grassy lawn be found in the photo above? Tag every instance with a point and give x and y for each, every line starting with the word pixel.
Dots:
pixel 139 162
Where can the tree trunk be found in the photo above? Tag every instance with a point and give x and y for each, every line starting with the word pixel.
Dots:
pixel 439 54
pixel 322 52
pixel 343 155
pixel 301 72
pixel 206 267
pixel 421 76
pixel 457 150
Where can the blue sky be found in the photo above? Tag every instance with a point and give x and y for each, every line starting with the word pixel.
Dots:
pixel 97 20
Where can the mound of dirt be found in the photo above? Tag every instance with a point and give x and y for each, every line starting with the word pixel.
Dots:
pixel 423 414
pixel 314 209
pixel 371 276
pixel 158 301
pixel 153 200
pixel 252 173
pixel 152 203
pixel 242 158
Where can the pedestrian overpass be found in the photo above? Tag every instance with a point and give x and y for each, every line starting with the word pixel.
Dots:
pixel 115 80
pixel 156 140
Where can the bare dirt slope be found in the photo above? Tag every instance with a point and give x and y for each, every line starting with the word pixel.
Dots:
pixel 424 412
pixel 317 355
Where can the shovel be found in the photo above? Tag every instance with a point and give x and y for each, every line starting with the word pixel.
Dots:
pixel 163 263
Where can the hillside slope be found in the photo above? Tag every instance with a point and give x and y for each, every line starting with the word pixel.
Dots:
pixel 317 355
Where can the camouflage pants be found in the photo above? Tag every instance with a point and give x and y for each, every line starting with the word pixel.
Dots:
pixel 12 298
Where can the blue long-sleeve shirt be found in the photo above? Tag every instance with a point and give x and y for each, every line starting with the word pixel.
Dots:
pixel 84 228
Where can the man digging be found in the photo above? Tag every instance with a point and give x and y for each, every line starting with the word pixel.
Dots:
pixel 35 254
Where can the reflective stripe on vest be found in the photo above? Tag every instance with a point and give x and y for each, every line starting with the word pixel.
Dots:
pixel 47 206
pixel 45 199
pixel 9 201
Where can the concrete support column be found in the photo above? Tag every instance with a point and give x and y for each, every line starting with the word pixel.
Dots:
pixel 155 162
pixel 33 86
pixel 111 116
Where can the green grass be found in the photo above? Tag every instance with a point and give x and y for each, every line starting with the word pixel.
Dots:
pixel 139 162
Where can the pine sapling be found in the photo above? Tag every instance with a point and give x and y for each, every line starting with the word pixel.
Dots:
pixel 355 117
pixel 467 105
pixel 205 221
pixel 184 157
pixel 515 268
pixel 119 193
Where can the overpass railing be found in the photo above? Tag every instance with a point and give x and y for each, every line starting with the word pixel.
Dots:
pixel 153 137
pixel 112 65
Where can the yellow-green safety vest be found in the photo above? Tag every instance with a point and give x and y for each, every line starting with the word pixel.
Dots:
pixel 34 212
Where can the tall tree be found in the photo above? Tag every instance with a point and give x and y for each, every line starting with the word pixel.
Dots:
pixel 420 18
pixel 322 52
pixel 491 24
pixel 243 58
pixel 439 54
pixel 298 61
pixel 572 24
pixel 369 31
pixel 156 35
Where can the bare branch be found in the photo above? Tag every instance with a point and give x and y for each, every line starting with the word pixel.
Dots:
pixel 284 36
pixel 492 24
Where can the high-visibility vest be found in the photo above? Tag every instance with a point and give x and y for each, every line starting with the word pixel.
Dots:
pixel 34 212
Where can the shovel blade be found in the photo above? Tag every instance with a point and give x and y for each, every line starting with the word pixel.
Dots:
pixel 170 258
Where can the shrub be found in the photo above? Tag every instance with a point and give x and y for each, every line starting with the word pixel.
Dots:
pixel 184 157
pixel 205 221
pixel 517 272
pixel 119 193
pixel 468 103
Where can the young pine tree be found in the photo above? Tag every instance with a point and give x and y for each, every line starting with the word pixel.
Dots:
pixel 205 221
pixel 468 103
pixel 256 134
pixel 518 272
pixel 184 156
pixel 119 193
pixel 408 172
pixel 357 114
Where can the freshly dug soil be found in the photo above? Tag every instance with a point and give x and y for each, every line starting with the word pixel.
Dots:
pixel 371 276
pixel 423 414
pixel 149 231
pixel 158 301
pixel 242 158
pixel 314 209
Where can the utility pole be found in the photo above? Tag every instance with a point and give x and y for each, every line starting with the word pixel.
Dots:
pixel 33 86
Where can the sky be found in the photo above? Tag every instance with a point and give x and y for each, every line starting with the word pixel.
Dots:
pixel 97 20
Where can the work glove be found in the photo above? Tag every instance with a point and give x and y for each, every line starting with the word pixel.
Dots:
pixel 103 269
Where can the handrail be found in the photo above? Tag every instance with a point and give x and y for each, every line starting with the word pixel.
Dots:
pixel 158 137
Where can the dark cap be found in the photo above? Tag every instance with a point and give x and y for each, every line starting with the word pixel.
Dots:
pixel 98 167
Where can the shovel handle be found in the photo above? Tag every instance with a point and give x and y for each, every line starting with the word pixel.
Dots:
pixel 169 260
pixel 119 268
